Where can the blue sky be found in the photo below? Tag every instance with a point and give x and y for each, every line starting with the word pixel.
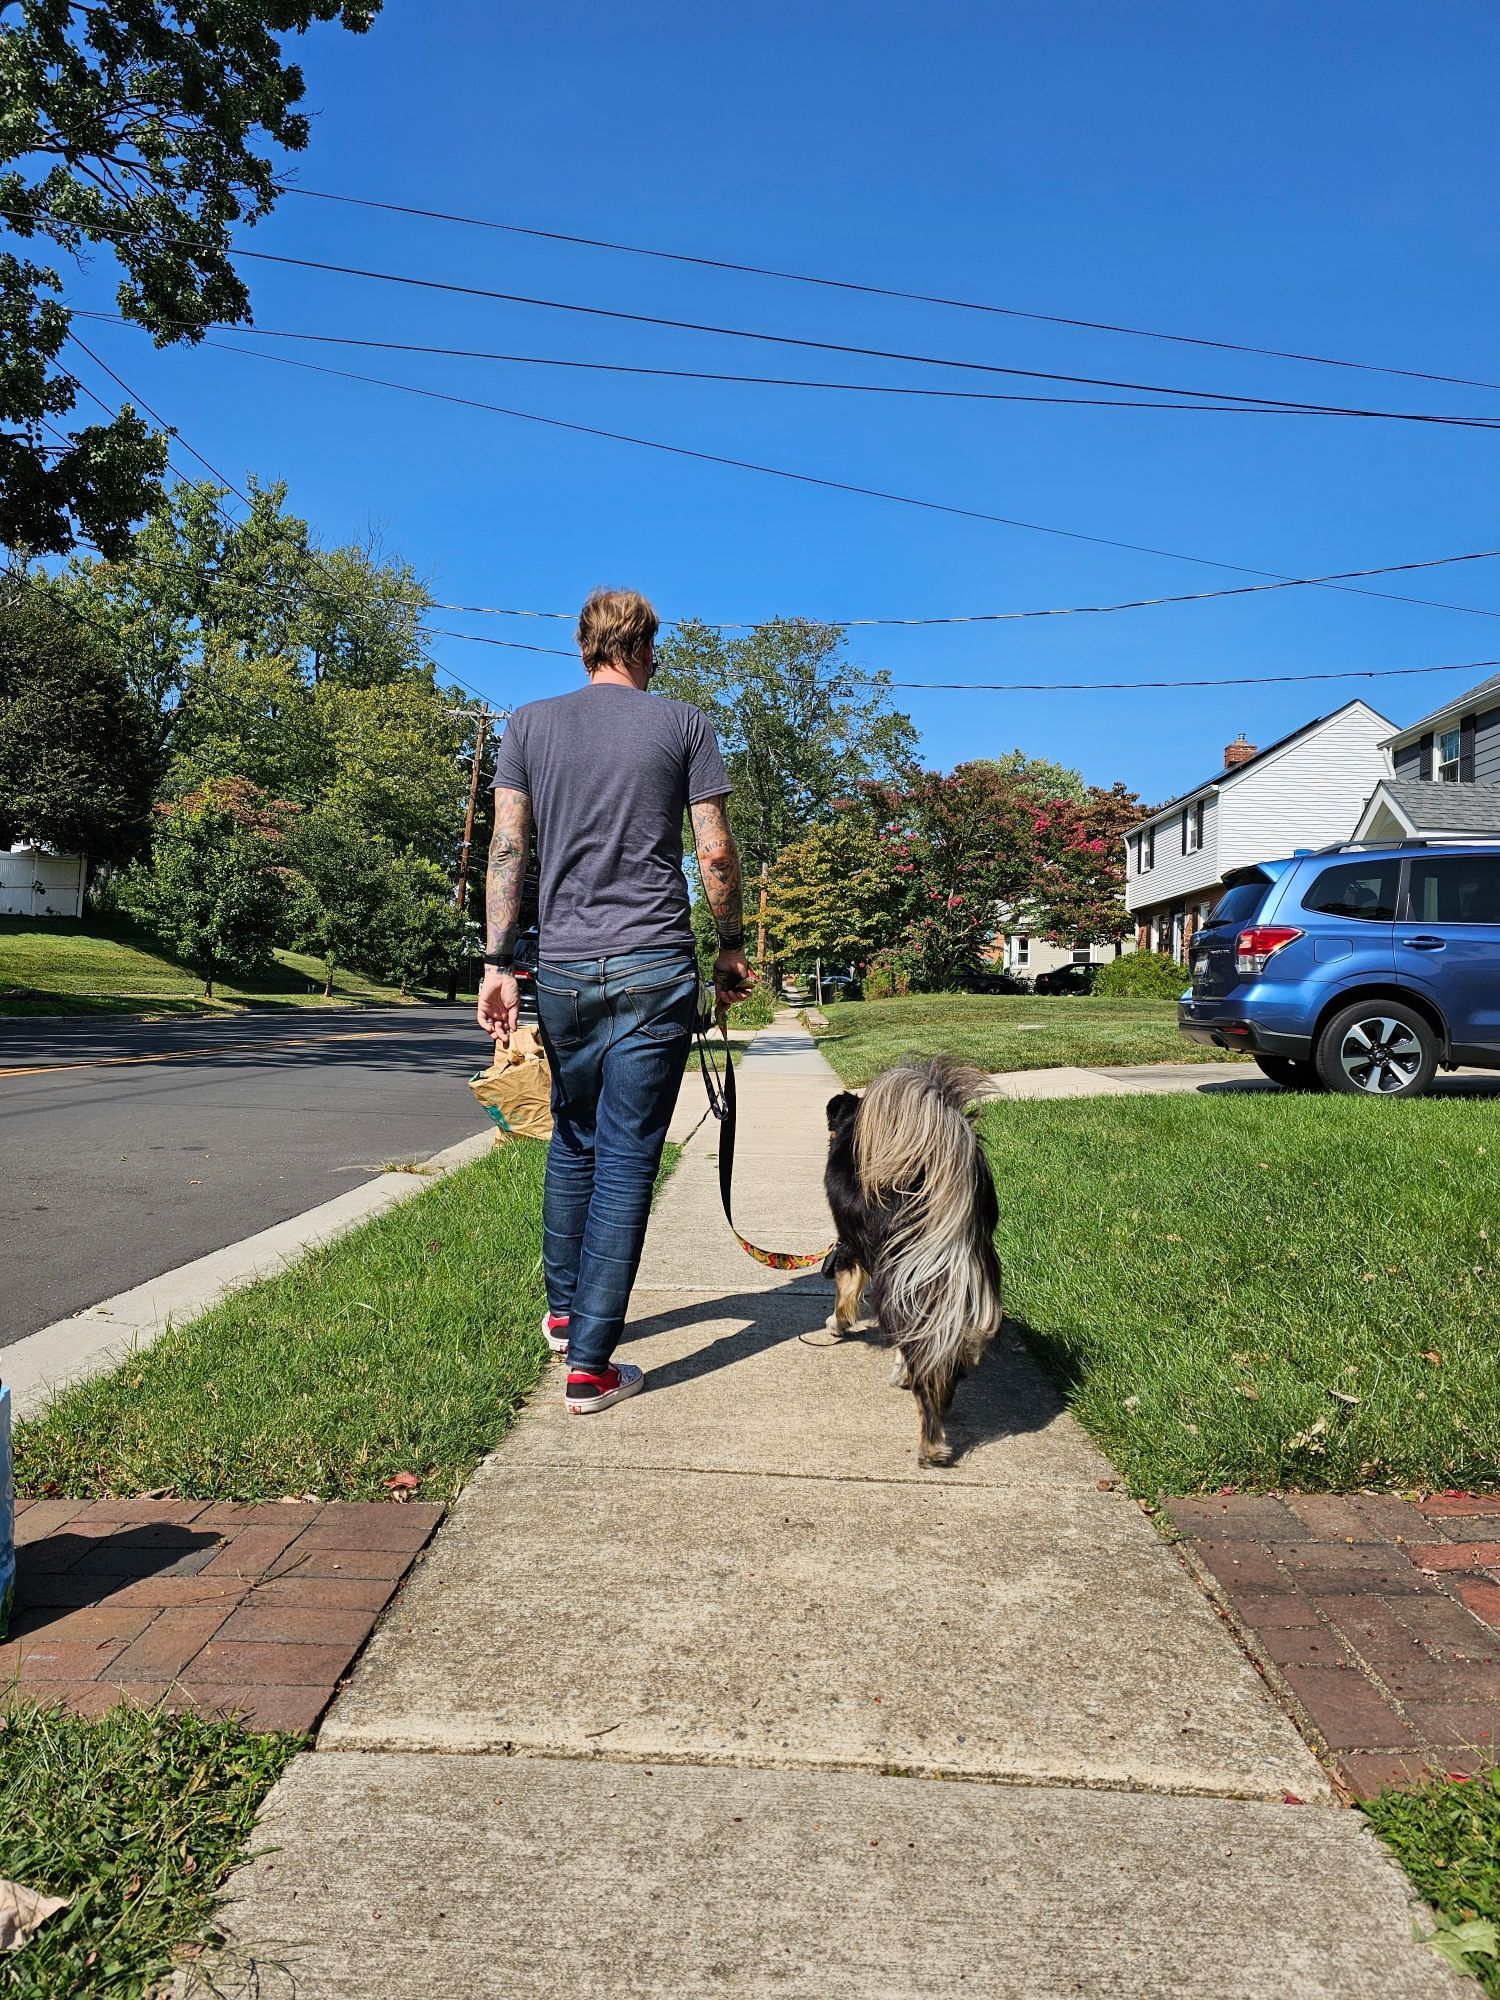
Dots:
pixel 1318 178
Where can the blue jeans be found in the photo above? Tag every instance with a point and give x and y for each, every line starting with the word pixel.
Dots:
pixel 617 1032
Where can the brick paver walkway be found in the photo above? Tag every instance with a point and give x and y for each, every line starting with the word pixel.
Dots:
pixel 1377 1617
pixel 255 1610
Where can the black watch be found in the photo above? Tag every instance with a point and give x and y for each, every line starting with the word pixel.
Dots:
pixel 735 943
pixel 500 961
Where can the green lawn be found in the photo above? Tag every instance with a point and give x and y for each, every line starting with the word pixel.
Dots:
pixel 1264 1291
pixel 1004 1033
pixel 138 1818
pixel 1447 1837
pixel 405 1346
pixel 67 967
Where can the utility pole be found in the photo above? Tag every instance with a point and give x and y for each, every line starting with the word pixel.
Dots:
pixel 482 717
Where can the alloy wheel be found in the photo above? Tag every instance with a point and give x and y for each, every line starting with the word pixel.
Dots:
pixel 1380 1055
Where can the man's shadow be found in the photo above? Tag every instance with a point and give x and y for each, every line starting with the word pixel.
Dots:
pixel 1007 1395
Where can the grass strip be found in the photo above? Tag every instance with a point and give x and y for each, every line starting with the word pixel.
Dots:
pixel 1446 1835
pixel 61 965
pixel 998 1032
pixel 137 1817
pixel 1262 1291
pixel 405 1346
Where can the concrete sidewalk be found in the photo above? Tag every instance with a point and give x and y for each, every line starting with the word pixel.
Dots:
pixel 664 1711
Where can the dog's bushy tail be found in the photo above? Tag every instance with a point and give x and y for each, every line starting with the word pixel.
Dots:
pixel 918 1154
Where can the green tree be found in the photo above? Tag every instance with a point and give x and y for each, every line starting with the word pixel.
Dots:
pixel 343 887
pixel 835 893
pixel 419 932
pixel 78 760
pixel 215 890
pixel 799 727
pixel 136 126
pixel 1048 780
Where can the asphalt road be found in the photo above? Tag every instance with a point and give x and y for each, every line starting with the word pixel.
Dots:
pixel 128 1149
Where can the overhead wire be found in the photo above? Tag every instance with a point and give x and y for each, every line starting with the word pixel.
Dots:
pixel 844 486
pixel 910 357
pixel 885 291
pixel 1230 405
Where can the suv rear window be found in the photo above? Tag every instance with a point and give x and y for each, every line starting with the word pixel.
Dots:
pixel 1363 890
pixel 1240 902
pixel 1456 889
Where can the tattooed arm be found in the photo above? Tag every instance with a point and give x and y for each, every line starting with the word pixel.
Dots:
pixel 499 996
pixel 719 866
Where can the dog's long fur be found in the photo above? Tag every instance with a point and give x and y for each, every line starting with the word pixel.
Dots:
pixel 914 1201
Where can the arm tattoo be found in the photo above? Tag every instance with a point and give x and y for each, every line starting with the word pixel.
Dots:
pixel 719 865
pixel 502 889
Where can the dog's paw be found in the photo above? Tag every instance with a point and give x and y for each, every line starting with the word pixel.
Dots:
pixel 900 1373
pixel 936 1454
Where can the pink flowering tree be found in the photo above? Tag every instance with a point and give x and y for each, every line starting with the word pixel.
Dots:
pixel 1079 886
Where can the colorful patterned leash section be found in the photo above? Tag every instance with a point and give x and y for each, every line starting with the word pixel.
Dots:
pixel 724 1105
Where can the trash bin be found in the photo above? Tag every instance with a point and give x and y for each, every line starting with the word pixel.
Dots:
pixel 7 1515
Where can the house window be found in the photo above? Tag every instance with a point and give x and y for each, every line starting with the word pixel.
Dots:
pixel 1020 950
pixel 1192 828
pixel 1145 851
pixel 1083 954
pixel 1449 746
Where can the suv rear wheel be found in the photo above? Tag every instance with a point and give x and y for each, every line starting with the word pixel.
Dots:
pixel 1290 1073
pixel 1378 1048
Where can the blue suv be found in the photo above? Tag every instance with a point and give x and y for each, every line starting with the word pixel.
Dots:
pixel 1358 968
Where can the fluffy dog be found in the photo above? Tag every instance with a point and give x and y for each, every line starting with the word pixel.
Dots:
pixel 914 1201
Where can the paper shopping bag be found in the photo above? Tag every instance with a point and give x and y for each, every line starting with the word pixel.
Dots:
pixel 516 1089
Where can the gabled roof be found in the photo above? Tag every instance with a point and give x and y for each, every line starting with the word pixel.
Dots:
pixel 1487 694
pixel 1433 808
pixel 1231 772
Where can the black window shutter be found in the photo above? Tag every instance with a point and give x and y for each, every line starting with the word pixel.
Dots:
pixel 1424 759
pixel 1466 734
pixel 1185 811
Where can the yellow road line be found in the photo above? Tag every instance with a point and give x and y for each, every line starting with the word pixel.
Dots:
pixel 177 1055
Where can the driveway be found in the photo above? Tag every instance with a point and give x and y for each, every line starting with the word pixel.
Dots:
pixel 128 1148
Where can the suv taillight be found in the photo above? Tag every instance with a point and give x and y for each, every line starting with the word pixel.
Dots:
pixel 1254 948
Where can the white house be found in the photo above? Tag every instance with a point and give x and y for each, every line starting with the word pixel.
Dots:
pixel 1305 791
pixel 35 882
pixel 1444 778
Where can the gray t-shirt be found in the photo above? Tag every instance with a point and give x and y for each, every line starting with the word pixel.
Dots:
pixel 610 771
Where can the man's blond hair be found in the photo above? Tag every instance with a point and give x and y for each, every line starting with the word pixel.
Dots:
pixel 616 628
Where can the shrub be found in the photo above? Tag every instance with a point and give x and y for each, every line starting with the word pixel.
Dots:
pixel 886 977
pixel 1143 975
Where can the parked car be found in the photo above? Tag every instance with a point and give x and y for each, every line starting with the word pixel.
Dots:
pixel 1066 979
pixel 1359 968
pixel 527 943
pixel 995 979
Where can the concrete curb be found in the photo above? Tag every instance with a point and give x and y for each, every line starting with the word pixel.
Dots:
pixel 91 1342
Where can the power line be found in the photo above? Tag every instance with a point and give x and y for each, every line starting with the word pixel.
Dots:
pixel 840 485
pixel 845 347
pixel 887 291
pixel 1213 396
pixel 1230 406
pixel 1071 687
pixel 171 429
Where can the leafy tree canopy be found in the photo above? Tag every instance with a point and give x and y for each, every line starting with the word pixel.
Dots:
pixel 78 759
pixel 798 726
pixel 139 125
pixel 1039 774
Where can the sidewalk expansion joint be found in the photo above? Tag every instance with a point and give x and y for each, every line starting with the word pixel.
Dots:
pixel 607 1759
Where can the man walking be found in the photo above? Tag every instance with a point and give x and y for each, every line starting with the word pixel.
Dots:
pixel 605 775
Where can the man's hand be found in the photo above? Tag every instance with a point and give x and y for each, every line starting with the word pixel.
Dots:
pixel 732 979
pixel 499 1005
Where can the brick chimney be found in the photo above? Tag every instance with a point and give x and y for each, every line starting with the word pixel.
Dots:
pixel 1238 752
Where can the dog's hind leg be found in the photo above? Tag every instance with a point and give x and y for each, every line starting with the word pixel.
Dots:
pixel 934 1396
pixel 849 1282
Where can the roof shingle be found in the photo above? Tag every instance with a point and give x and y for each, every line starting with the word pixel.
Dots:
pixel 1433 808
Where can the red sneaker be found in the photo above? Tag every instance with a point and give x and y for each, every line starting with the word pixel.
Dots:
pixel 555 1331
pixel 596 1392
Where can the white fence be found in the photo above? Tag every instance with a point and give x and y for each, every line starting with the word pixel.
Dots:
pixel 37 883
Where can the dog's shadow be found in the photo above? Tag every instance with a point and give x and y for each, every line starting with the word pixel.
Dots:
pixel 1008 1395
